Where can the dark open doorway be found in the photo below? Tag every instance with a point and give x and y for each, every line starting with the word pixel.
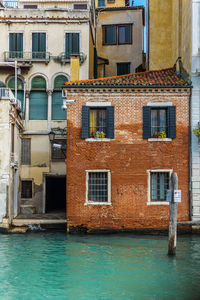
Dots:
pixel 55 194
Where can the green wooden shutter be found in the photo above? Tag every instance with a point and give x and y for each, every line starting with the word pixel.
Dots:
pixel 57 112
pixel 75 43
pixel 110 122
pixel 38 105
pixel 171 113
pixel 42 42
pixel 38 82
pixel 34 44
pixel 67 37
pixel 60 81
pixel 85 122
pixel 11 41
pixel 146 122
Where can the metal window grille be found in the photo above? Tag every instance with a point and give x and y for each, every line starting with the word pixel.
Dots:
pixel 25 151
pixel 98 187
pixel 97 121
pixel 158 121
pixel 26 189
pixel 159 185
pixel 56 153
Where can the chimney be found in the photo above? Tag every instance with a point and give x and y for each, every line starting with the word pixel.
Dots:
pixel 74 67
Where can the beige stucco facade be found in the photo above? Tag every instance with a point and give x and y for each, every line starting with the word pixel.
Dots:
pixel 55 22
pixel 127 53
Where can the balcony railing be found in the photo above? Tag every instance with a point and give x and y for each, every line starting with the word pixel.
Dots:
pixel 6 93
pixel 10 4
pixel 65 57
pixel 26 56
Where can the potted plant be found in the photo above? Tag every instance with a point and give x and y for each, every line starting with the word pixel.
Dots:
pixel 160 134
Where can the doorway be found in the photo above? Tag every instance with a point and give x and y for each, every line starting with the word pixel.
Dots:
pixel 55 194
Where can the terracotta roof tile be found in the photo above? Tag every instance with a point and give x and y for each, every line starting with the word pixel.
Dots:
pixel 166 77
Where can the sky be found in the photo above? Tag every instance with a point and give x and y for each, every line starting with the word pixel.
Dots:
pixel 142 2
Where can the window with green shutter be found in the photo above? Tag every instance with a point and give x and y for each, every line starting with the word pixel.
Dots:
pixel 39 45
pixel 16 45
pixel 38 105
pixel 72 44
pixel 59 81
pixel 57 112
pixel 25 151
pixel 159 122
pixel 38 83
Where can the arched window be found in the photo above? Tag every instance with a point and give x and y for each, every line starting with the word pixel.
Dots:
pixel 57 112
pixel 20 89
pixel 38 100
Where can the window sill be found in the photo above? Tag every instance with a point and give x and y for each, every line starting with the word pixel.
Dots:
pixel 158 203
pixel 97 140
pixel 159 140
pixel 97 203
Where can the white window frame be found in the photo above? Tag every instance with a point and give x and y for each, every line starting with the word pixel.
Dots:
pixel 87 202
pixel 149 202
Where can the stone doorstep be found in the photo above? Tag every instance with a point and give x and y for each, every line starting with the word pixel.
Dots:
pixel 27 209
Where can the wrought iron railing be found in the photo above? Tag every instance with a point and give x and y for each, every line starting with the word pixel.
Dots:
pixel 26 56
pixel 10 4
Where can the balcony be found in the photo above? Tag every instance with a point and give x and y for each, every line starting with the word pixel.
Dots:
pixel 65 57
pixel 27 56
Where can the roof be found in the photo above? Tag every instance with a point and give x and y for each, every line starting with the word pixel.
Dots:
pixel 149 79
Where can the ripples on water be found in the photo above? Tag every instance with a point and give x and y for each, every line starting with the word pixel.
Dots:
pixel 59 266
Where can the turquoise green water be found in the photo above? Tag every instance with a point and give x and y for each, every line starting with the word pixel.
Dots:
pixel 59 266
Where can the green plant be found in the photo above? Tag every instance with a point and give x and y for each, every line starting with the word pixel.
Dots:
pixel 160 134
pixel 197 131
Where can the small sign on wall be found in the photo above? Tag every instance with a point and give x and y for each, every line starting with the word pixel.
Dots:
pixel 177 196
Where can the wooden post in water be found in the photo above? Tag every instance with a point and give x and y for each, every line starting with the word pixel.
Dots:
pixel 173 217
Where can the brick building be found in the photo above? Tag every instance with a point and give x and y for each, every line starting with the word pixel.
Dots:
pixel 118 165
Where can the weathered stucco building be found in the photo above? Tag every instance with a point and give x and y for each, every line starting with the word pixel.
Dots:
pixel 125 136
pixel 119 39
pixel 52 43
pixel 177 26
pixel 11 127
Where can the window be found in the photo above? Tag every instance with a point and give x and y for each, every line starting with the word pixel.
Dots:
pixel 159 185
pixel 71 44
pixel 26 189
pixel 57 101
pixel 96 120
pixel 98 187
pixel 38 100
pixel 58 154
pixel 80 6
pixel 25 151
pixel 39 45
pixel 117 34
pixel 124 34
pixel 30 6
pixel 123 68
pixel 159 120
pixel 101 3
pixel 16 45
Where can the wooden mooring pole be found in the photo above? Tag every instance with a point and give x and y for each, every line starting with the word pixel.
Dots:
pixel 173 217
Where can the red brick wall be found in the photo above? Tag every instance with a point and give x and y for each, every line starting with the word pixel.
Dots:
pixel 128 157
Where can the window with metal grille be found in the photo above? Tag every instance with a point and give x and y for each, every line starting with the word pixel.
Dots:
pixel 97 121
pixel 58 154
pixel 80 6
pixel 159 185
pixel 158 121
pixel 97 187
pixel 26 189
pixel 25 151
pixel 123 68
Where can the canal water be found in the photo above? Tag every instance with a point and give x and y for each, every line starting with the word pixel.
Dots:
pixel 59 266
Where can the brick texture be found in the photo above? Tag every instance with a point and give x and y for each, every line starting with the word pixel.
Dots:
pixel 128 157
